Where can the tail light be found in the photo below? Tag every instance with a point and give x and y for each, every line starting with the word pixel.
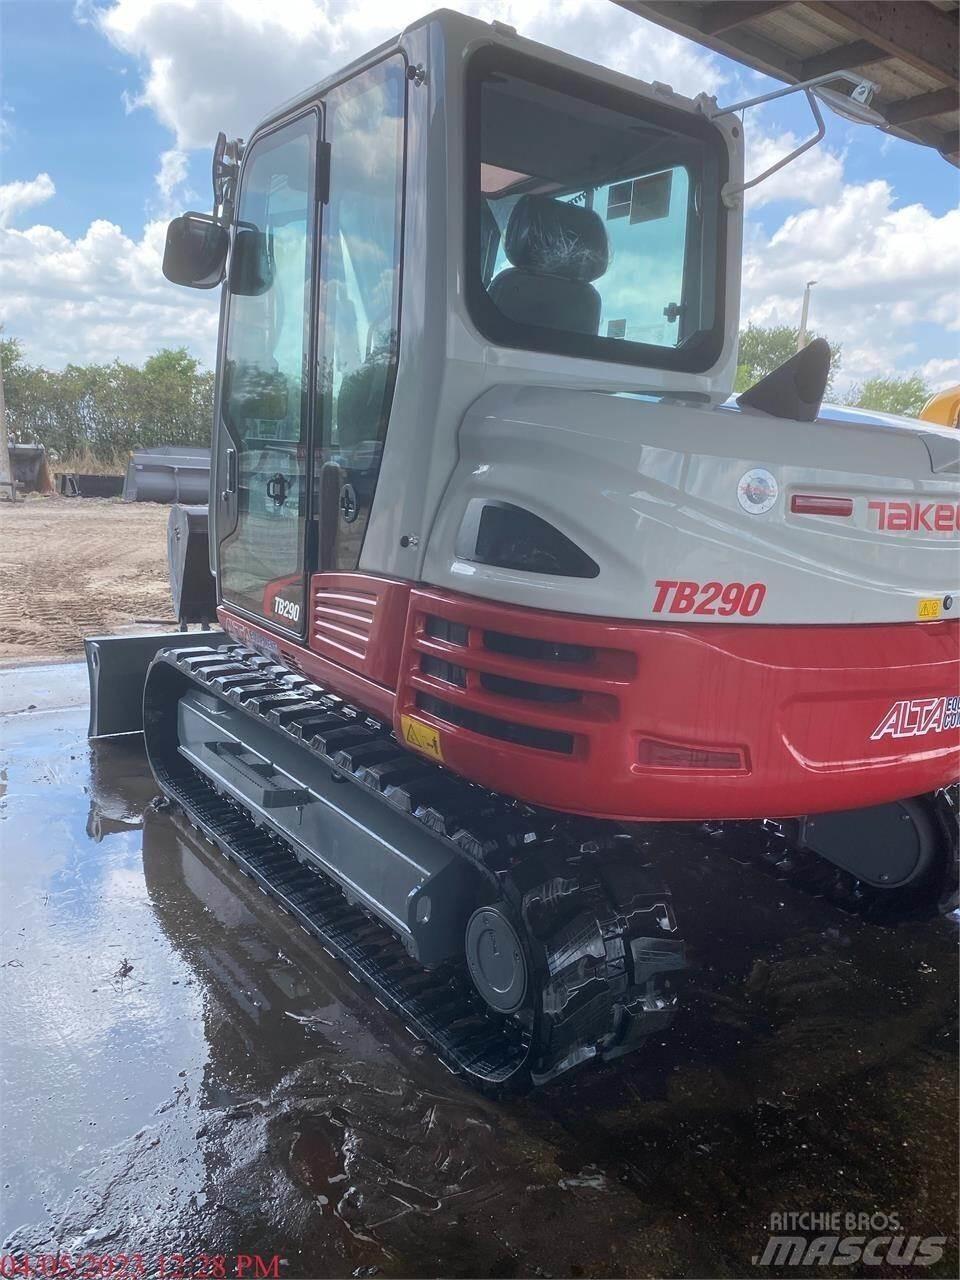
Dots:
pixel 655 754
pixel 809 504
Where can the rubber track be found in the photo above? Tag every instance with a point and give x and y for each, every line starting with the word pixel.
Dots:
pixel 601 935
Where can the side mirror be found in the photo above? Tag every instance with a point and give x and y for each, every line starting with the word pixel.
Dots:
pixel 195 253
pixel 251 265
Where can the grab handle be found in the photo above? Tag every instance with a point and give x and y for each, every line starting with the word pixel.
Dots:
pixel 231 475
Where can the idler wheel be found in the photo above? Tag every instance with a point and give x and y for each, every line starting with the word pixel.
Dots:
pixel 496 960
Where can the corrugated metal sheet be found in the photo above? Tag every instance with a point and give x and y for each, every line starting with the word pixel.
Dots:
pixel 908 47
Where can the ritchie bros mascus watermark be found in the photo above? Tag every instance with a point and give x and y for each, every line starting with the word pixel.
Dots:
pixel 836 1238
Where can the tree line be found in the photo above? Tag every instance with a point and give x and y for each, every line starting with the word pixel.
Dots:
pixel 99 412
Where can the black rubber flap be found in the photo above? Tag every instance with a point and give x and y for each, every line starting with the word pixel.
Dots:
pixel 796 388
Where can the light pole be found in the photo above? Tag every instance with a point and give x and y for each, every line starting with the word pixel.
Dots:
pixel 802 333
pixel 7 487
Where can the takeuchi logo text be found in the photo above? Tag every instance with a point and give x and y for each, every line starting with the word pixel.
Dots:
pixel 917 517
pixel 915 717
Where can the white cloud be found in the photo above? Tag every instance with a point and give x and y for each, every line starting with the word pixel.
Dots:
pixel 17 196
pixel 173 193
pixel 222 64
pixel 98 297
pixel 880 269
pixel 172 172
pixel 940 374
pixel 814 178
pixel 212 64
pixel 7 127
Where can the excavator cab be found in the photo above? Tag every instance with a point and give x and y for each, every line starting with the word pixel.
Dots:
pixel 590 227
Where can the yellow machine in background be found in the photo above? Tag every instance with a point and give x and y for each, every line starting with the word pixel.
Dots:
pixel 943 408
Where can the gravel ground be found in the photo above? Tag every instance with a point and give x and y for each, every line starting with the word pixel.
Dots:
pixel 75 567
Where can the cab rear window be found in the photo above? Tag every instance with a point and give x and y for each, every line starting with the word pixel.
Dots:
pixel 595 225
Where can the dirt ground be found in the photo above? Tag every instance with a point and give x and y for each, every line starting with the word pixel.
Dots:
pixel 75 567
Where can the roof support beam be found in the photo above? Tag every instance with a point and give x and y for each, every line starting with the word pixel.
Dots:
pixel 916 31
pixel 921 106
pixel 902 33
pixel 721 15
pixel 683 17
pixel 843 57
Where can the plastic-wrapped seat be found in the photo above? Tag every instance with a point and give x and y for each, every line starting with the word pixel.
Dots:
pixel 555 250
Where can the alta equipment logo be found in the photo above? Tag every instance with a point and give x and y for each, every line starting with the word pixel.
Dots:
pixel 919 716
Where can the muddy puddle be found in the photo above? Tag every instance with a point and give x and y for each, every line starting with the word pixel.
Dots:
pixel 183 1073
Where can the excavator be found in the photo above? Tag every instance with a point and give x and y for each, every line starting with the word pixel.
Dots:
pixel 505 582
pixel 943 408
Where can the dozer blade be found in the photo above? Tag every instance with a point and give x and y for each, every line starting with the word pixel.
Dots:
pixel 117 669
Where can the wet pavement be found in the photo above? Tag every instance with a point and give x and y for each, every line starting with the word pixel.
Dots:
pixel 182 1073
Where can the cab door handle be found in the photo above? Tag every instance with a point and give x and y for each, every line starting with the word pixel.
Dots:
pixel 231 475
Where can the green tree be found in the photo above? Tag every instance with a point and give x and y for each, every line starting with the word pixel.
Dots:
pixel 764 348
pixel 891 395
pixel 105 410
pixel 15 373
pixel 11 354
pixel 24 392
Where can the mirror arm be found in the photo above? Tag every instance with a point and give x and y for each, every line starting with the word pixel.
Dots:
pixel 731 191
pixel 226 174
pixel 862 93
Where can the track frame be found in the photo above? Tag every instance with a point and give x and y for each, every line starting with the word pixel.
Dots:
pixel 602 948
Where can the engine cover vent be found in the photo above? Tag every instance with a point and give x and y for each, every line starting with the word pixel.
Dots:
pixel 510 537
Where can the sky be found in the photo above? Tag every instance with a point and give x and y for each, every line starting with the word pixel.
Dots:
pixel 109 108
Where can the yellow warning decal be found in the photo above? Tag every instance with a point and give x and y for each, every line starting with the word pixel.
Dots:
pixel 420 736
pixel 927 609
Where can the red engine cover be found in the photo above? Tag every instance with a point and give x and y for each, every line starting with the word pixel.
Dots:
pixel 656 721
pixel 640 721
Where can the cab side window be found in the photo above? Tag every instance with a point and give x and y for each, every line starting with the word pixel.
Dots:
pixel 360 298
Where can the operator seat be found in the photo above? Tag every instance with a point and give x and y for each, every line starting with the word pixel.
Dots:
pixel 555 250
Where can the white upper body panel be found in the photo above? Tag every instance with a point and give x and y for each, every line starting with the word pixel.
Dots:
pixel 650 491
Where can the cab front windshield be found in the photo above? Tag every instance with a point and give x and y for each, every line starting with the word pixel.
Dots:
pixel 596 220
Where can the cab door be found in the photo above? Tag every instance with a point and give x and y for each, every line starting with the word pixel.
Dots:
pixel 359 311
pixel 262 486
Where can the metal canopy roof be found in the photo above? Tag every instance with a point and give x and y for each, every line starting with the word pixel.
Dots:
pixel 908 47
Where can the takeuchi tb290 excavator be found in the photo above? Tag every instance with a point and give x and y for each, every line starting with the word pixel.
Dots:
pixel 504 574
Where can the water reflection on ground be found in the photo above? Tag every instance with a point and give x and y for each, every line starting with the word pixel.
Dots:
pixel 182 1070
